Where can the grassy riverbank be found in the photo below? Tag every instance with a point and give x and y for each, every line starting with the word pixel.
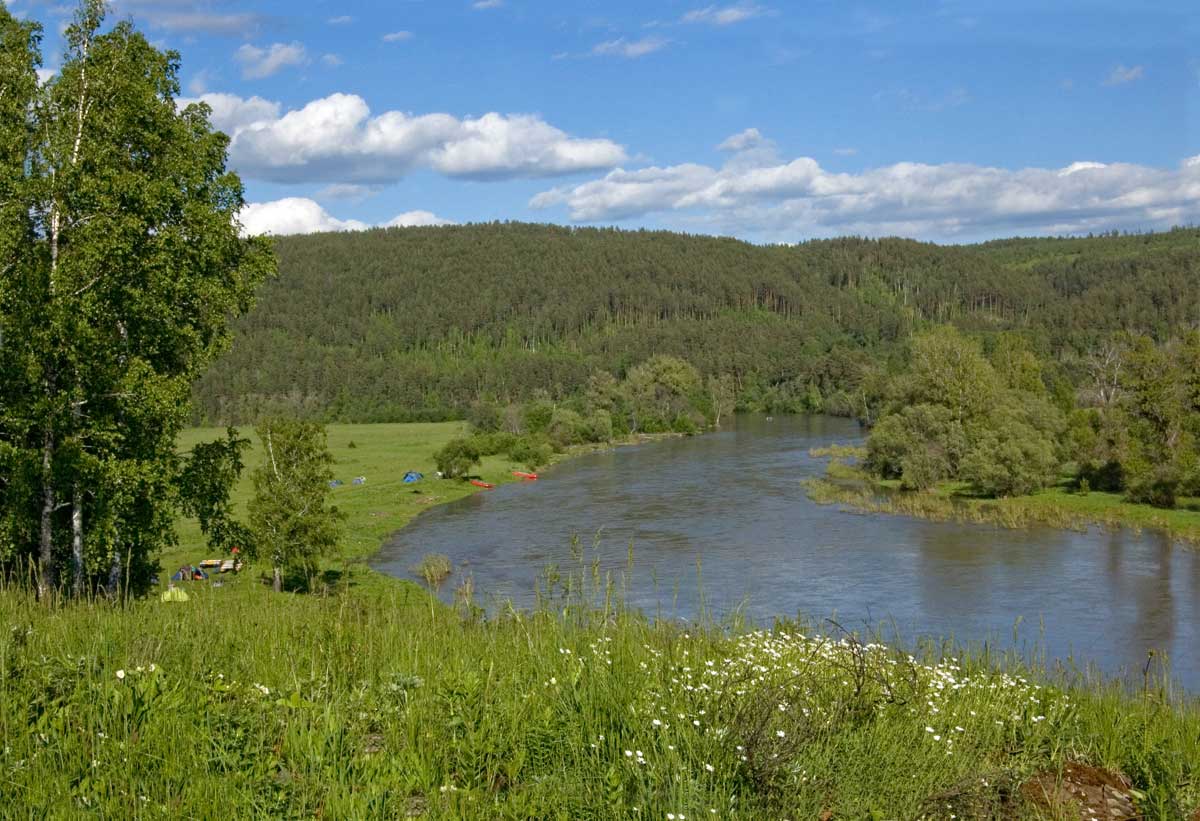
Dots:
pixel 372 699
pixel 1059 507
pixel 382 453
pixel 382 703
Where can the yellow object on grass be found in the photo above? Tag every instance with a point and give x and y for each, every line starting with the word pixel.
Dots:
pixel 174 594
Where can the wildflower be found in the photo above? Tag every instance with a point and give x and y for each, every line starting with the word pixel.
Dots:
pixel 121 675
pixel 780 733
pixel 656 723
pixel 708 767
pixel 629 753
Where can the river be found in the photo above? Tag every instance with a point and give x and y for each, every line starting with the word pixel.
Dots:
pixel 728 508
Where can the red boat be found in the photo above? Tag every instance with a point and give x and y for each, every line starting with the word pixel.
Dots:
pixel 520 474
pixel 485 485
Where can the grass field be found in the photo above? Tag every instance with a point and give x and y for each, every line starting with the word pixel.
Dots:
pixel 384 504
pixel 372 699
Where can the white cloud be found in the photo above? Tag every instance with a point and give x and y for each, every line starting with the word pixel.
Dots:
pixel 231 113
pixel 724 15
pixel 1122 75
pixel 397 36
pixel 300 215
pixel 188 17
pixel 748 139
pixel 487 4
pixel 258 63
pixel 44 74
pixel 630 48
pixel 347 191
pixel 949 201
pixel 413 219
pixel 331 60
pixel 336 139
pixel 340 20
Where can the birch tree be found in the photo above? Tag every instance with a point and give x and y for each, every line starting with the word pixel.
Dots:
pixel 121 293
pixel 292 525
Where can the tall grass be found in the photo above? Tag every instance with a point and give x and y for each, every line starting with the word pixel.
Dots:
pixel 244 704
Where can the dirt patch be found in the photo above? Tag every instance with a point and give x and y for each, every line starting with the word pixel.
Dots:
pixel 1084 792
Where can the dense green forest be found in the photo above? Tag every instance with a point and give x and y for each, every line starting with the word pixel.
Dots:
pixel 419 323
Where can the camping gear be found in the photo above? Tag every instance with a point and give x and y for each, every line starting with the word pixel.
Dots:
pixel 412 476
pixel 189 573
pixel 174 594
pixel 485 485
pixel 210 563
pixel 360 480
pixel 227 565
pixel 520 474
pixel 336 483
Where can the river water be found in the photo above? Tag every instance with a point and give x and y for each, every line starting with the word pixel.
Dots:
pixel 725 514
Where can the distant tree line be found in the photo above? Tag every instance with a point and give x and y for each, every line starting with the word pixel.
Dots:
pixel 664 394
pixel 422 323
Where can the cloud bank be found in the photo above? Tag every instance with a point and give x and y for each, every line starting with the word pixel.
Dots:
pixel 757 193
pixel 337 139
pixel 300 215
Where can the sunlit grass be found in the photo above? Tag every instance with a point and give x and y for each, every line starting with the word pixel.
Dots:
pixel 388 704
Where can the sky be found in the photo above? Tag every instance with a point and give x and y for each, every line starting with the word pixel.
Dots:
pixel 946 120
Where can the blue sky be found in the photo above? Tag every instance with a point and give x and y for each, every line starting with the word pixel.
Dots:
pixel 772 121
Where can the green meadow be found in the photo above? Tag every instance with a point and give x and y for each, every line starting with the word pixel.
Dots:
pixel 382 453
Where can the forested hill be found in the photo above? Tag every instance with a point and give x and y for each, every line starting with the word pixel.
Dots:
pixel 417 323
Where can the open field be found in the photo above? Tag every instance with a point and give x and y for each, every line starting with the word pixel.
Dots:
pixel 383 454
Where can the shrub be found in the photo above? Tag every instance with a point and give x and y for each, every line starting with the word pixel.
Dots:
pixel 457 457
pixel 485 417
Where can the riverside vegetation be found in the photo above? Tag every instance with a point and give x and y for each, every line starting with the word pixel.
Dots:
pixel 964 434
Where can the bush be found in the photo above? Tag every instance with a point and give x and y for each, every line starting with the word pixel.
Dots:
pixel 537 415
pixel 489 444
pixel 457 458
pixel 485 417
pixel 566 428
pixel 530 452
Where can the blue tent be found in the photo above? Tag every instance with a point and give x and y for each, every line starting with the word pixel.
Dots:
pixel 336 483
pixel 412 476
pixel 359 480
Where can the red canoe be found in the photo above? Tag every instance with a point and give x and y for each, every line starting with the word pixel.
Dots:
pixel 478 483
pixel 520 474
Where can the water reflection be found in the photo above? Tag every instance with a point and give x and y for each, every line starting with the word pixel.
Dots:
pixel 733 502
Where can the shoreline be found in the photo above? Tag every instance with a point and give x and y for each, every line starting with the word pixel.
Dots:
pixel 861 493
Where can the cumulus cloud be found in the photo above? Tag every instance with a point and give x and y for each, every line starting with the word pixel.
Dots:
pixel 724 15
pixel 231 113
pixel 397 36
pixel 258 63
pixel 337 139
pixel 1122 75
pixel 798 198
pixel 629 49
pixel 300 215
